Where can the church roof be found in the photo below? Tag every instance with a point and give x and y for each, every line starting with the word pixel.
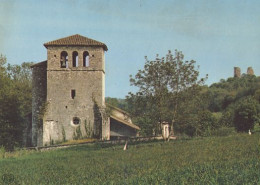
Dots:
pixel 40 64
pixel 75 40
pixel 125 122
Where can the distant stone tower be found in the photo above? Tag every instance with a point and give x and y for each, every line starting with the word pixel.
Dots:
pixel 68 91
pixel 250 71
pixel 237 72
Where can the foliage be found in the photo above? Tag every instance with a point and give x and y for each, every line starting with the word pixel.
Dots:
pixel 117 102
pixel 221 99
pixel 226 97
pixel 246 114
pixel 21 76
pixel 227 92
pixel 165 84
pixel 15 101
pixel 211 160
pixel 88 129
pixel 227 118
pixel 223 131
pixel 63 134
pixel 77 134
pixel 2 152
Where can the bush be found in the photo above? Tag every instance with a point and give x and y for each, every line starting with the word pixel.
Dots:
pixel 223 131
pixel 226 119
pixel 246 114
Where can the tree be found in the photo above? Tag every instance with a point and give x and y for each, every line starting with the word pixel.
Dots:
pixel 246 114
pixel 21 76
pixel 117 102
pixel 165 84
pixel 15 101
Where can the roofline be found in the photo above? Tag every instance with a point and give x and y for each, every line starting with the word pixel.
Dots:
pixel 109 105
pixel 39 64
pixel 66 45
pixel 125 122
pixel 100 44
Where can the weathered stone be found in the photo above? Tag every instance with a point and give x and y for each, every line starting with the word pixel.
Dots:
pixel 66 100
pixel 250 71
pixel 237 72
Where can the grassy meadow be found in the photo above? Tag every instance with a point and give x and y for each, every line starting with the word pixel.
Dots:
pixel 211 160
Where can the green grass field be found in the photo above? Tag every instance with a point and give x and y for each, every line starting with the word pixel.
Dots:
pixel 212 160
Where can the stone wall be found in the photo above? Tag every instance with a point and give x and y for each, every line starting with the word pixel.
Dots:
pixel 39 93
pixel 72 93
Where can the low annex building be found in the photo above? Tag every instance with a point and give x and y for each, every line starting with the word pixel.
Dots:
pixel 68 95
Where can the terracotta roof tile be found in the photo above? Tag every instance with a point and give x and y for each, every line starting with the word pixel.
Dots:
pixel 75 40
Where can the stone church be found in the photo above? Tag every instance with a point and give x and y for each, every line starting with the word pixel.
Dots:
pixel 68 96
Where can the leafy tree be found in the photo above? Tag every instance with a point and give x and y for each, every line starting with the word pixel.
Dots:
pixel 257 95
pixel 217 98
pixel 225 96
pixel 190 112
pixel 246 114
pixel 15 101
pixel 117 102
pixel 21 76
pixel 165 84
pixel 227 118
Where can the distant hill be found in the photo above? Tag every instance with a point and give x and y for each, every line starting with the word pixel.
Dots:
pixel 226 93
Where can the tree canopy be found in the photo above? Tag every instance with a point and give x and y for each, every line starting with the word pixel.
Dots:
pixel 15 101
pixel 165 85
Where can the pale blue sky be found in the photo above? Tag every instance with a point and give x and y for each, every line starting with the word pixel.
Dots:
pixel 217 34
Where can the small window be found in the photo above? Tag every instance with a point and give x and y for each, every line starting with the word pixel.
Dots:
pixel 76 121
pixel 64 59
pixel 85 59
pixel 75 59
pixel 73 93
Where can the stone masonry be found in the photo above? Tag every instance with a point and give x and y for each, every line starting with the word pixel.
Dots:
pixel 237 72
pixel 68 94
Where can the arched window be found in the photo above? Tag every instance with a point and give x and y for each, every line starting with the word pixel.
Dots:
pixel 85 59
pixel 75 59
pixel 64 59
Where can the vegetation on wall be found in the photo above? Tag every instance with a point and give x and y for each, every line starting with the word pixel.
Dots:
pixel 88 129
pixel 77 134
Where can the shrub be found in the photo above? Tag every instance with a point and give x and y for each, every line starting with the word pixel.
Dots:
pixel 246 114
pixel 223 131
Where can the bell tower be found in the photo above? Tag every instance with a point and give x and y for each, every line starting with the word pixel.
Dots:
pixel 75 90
